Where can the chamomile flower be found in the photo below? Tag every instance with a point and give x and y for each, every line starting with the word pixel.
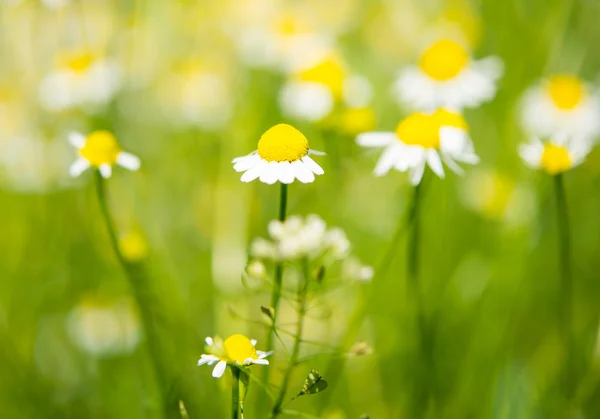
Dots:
pixel 80 79
pixel 423 139
pixel 447 77
pixel 283 155
pixel 236 349
pixel 562 105
pixel 101 151
pixel 555 156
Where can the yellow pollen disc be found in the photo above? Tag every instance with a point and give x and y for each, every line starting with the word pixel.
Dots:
pixel 282 142
pixel 289 25
pixel 238 348
pixel 419 129
pixel 555 159
pixel 329 72
pixel 444 60
pixel 450 119
pixel 100 148
pixel 78 63
pixel 566 91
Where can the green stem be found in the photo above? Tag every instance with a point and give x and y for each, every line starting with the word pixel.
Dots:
pixel 302 291
pixel 566 284
pixel 235 393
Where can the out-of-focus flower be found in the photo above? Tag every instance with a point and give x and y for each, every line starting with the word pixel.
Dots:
pixel 556 155
pixel 353 269
pixel 298 238
pixel 562 105
pixel 100 150
pixel 360 349
pixel 256 269
pixel 423 139
pixel 282 155
pixel 236 349
pixel 353 121
pixel 105 328
pixel 133 246
pixel 447 77
pixel 80 79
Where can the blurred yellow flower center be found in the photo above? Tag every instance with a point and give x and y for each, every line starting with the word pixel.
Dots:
pixel 356 120
pixel 238 348
pixel 566 91
pixel 444 60
pixel 329 72
pixel 133 246
pixel 555 159
pixel 419 129
pixel 100 148
pixel 288 25
pixel 282 143
pixel 450 119
pixel 79 63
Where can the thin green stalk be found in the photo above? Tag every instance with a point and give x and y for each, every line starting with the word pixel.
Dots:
pixel 302 291
pixel 235 393
pixel 566 284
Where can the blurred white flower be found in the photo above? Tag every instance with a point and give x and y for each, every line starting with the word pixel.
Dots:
pixel 256 269
pixel 101 151
pixel 105 328
pixel 555 155
pixel 423 139
pixel 298 238
pixel 236 349
pixel 447 77
pixel 561 105
pixel 283 155
pixel 354 270
pixel 81 79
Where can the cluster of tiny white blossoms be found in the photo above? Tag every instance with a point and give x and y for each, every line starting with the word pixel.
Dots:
pixel 235 350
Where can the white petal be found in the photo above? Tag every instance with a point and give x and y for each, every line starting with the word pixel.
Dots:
pixel 262 354
pixel 246 163
pixel 452 165
pixel 312 165
pixel 434 161
pixel 531 154
pixel 106 170
pixel 270 173
pixel 254 342
pixel 78 167
pixel 238 159
pixel 219 369
pixel 312 152
pixel 255 172
pixel 376 139
pixel 388 159
pixel 76 139
pixel 416 174
pixel 128 161
pixel 302 172
pixel 207 359
pixel 260 361
pixel 209 341
pixel 285 174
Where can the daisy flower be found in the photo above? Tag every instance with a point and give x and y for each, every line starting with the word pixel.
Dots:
pixel 423 139
pixel 236 349
pixel 562 105
pixel 555 156
pixel 282 155
pixel 101 151
pixel 447 77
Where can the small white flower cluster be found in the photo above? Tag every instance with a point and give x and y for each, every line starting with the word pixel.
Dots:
pixel 298 238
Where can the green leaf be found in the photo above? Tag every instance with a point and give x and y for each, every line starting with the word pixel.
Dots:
pixel 313 384
pixel 244 383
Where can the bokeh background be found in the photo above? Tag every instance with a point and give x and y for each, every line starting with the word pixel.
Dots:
pixel 189 85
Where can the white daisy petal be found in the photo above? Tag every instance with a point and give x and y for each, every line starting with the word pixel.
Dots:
pixel 262 354
pixel 209 341
pixel 255 172
pixel 302 172
pixel 285 174
pixel 312 165
pixel 78 167
pixel 241 164
pixel 434 161
pixel 260 361
pixel 128 161
pixel 452 165
pixel 106 171
pixel 388 159
pixel 76 139
pixel 312 152
pixel 254 342
pixel 270 173
pixel 531 154
pixel 416 174
pixel 238 159
pixel 219 369
pixel 376 139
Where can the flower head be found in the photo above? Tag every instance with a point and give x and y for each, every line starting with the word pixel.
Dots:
pixel 447 77
pixel 101 151
pixel 283 155
pixel 561 105
pixel 236 349
pixel 555 156
pixel 423 139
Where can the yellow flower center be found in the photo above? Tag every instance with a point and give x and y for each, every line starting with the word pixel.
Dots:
pixel 444 60
pixel 555 159
pixel 238 348
pixel 100 148
pixel 419 129
pixel 78 63
pixel 289 25
pixel 282 143
pixel 446 118
pixel 566 91
pixel 329 72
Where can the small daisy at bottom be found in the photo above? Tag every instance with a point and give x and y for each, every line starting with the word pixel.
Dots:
pixel 236 349
pixel 555 156
pixel 283 155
